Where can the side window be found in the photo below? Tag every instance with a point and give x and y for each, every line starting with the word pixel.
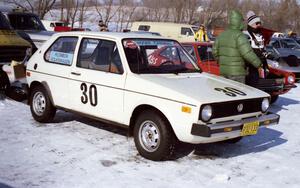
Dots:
pixel 61 51
pixel 144 28
pixel 170 53
pixel 205 53
pixel 101 55
pixel 275 44
pixel 185 30
pixel 190 50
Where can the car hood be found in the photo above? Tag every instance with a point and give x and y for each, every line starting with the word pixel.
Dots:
pixel 10 38
pixel 284 66
pixel 190 88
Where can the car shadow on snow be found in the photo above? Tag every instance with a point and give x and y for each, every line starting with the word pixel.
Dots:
pixel 282 103
pixel 2 185
pixel 264 140
pixel 62 117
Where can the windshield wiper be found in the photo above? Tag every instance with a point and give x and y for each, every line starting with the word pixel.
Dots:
pixel 184 70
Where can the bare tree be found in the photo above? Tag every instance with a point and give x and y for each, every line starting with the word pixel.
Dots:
pixel 125 14
pixel 82 10
pixel 191 11
pixel 107 9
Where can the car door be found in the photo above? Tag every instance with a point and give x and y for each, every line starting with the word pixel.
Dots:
pixel 97 80
pixel 58 61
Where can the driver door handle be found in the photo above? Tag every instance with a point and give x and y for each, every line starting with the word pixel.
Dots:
pixel 76 73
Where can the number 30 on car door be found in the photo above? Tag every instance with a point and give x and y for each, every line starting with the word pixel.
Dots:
pixel 89 94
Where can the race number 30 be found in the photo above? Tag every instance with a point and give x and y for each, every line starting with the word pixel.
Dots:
pixel 232 92
pixel 89 94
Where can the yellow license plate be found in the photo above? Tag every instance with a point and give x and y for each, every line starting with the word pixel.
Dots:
pixel 250 128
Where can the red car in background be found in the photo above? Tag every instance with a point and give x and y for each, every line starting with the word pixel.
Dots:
pixel 276 83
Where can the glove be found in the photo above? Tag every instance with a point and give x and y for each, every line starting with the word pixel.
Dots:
pixel 263 72
pixel 268 55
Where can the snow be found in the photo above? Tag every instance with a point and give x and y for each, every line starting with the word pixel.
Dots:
pixel 74 151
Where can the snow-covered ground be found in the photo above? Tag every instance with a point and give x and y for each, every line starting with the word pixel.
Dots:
pixel 79 152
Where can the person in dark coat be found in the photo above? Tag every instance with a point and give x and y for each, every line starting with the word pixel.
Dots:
pixel 257 41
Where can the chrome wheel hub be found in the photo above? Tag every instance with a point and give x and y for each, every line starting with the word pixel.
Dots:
pixel 149 136
pixel 39 103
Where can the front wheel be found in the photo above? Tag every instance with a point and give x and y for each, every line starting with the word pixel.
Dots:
pixel 153 136
pixel 41 107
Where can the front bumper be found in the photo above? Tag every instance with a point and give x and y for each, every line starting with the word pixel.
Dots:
pixel 221 129
pixel 272 85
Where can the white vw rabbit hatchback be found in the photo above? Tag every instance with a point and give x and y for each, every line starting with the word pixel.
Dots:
pixel 146 83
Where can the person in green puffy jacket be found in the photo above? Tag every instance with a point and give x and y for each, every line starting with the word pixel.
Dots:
pixel 232 50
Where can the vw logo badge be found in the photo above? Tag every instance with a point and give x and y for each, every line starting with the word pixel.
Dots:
pixel 240 107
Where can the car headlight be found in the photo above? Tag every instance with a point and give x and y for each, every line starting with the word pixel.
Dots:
pixel 265 104
pixel 290 79
pixel 206 113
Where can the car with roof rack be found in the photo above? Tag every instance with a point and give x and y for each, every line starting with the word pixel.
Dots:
pixel 28 25
pixel 285 55
pixel 12 47
pixel 114 77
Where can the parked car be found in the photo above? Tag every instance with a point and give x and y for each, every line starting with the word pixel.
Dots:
pixel 109 77
pixel 146 32
pixel 285 47
pixel 278 35
pixel 176 31
pixel 286 53
pixel 277 82
pixel 27 25
pixel 50 25
pixel 297 40
pixel 12 47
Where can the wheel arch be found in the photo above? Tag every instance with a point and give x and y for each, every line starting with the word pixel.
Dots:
pixel 43 84
pixel 141 108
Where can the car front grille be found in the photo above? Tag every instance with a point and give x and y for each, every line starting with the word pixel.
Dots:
pixel 230 108
pixel 8 53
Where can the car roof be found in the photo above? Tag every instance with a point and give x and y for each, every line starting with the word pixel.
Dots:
pixel 197 43
pixel 163 23
pixel 112 35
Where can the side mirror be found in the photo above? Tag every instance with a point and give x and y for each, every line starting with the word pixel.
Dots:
pixel 187 34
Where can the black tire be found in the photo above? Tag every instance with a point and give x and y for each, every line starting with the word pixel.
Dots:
pixel 166 139
pixel 4 80
pixel 16 93
pixel 274 98
pixel 233 140
pixel 41 107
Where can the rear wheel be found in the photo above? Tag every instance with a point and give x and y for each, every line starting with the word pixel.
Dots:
pixel 153 136
pixel 41 107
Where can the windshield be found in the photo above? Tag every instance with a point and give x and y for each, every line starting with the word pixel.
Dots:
pixel 157 56
pixel 205 53
pixel 289 43
pixel 298 40
pixel 4 23
pixel 25 22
